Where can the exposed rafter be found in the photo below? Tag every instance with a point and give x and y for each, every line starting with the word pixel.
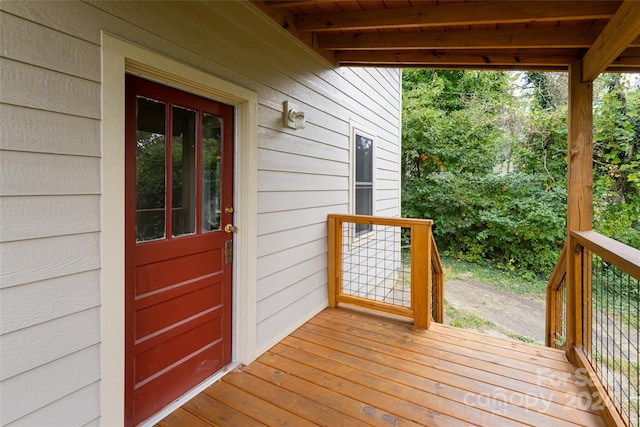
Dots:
pixel 619 33
pixel 569 37
pixel 479 34
pixel 296 3
pixel 489 12
pixel 539 58
pixel 629 59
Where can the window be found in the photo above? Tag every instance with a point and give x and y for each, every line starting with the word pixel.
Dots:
pixel 363 177
pixel 177 160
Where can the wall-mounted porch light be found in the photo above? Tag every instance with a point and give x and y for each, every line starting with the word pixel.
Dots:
pixel 292 116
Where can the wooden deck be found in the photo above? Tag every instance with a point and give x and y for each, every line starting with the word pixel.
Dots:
pixel 350 368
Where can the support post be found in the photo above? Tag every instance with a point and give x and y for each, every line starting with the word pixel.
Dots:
pixel 421 275
pixel 579 195
pixel 334 249
pixel 551 326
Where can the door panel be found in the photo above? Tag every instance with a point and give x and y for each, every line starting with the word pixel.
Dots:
pixel 166 354
pixel 162 274
pixel 159 318
pixel 179 178
pixel 156 392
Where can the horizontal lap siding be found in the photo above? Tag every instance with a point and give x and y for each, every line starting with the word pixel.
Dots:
pixel 50 216
pixel 50 178
pixel 299 182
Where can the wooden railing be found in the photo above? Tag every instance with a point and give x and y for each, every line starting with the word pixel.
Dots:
pixel 437 284
pixel 556 331
pixel 372 266
pixel 602 314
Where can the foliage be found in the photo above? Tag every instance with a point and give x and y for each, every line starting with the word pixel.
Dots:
pixel 450 121
pixel 511 219
pixel 485 156
pixel 488 273
pixel 467 319
pixel 617 160
pixel 454 138
pixel 541 147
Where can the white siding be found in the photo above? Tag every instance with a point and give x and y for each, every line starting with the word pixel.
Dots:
pixel 26 129
pixel 39 302
pixel 60 336
pixel 50 176
pixel 31 217
pixel 78 408
pixel 47 384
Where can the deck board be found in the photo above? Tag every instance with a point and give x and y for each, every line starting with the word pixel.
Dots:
pixel 215 412
pixel 350 368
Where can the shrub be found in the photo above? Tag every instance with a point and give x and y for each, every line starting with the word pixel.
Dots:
pixel 516 220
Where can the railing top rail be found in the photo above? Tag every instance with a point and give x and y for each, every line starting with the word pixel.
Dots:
pixel 622 256
pixel 379 220
pixel 558 271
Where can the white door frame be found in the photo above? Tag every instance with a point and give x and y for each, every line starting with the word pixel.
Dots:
pixel 120 57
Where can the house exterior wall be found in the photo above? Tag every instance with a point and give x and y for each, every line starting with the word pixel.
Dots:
pixel 51 178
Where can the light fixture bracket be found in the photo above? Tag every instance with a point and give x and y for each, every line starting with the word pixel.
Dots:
pixel 292 117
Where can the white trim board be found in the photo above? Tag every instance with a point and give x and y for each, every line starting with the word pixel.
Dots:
pixel 118 57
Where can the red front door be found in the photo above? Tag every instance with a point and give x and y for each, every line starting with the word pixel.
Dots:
pixel 179 198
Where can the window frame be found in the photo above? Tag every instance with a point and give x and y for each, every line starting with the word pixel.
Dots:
pixel 355 131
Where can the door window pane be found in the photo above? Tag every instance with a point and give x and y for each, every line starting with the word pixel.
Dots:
pixel 211 136
pixel 150 169
pixel 183 167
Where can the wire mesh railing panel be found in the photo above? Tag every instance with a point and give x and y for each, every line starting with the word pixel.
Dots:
pixel 611 314
pixel 376 265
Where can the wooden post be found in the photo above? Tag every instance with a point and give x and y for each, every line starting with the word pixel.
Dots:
pixel 556 304
pixel 421 274
pixel 334 254
pixel 551 325
pixel 579 195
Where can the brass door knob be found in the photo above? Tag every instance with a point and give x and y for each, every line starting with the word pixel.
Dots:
pixel 230 228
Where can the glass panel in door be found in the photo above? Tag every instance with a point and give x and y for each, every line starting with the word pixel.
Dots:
pixel 211 166
pixel 183 172
pixel 150 169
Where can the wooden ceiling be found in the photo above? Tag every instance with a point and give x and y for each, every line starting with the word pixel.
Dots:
pixel 472 34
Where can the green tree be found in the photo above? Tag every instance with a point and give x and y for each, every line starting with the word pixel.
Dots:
pixel 617 159
pixel 490 166
pixel 541 148
pixel 457 135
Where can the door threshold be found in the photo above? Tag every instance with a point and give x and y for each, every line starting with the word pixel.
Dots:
pixel 153 420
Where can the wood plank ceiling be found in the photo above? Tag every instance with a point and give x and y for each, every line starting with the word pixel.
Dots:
pixel 472 34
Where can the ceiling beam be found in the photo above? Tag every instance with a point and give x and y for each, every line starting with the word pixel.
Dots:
pixel 486 12
pixel 295 3
pixel 560 58
pixel 482 67
pixel 563 37
pixel 627 59
pixel 619 33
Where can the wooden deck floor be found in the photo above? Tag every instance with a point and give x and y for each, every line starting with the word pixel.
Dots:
pixel 349 368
